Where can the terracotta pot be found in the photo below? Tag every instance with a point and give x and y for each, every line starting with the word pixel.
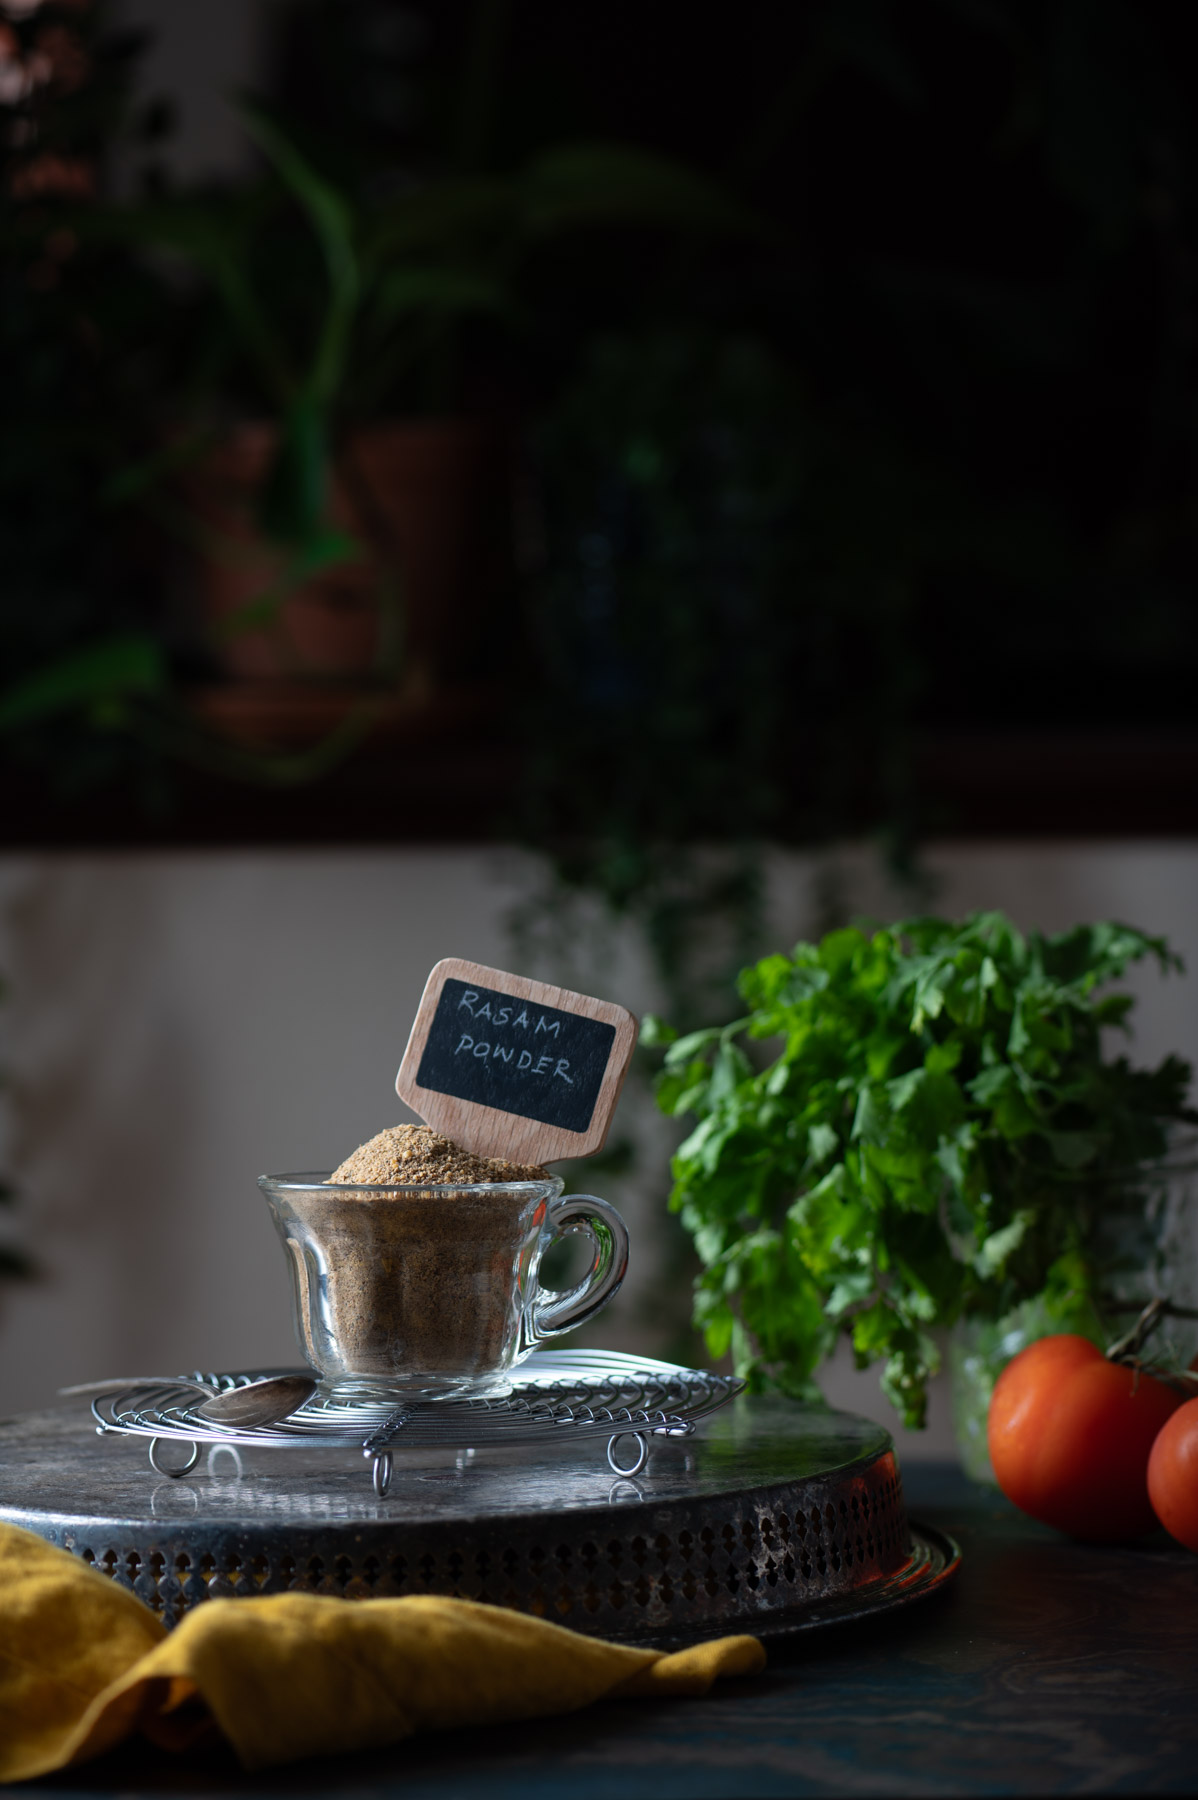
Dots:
pixel 428 502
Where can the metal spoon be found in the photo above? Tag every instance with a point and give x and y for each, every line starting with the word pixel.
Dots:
pixel 262 1402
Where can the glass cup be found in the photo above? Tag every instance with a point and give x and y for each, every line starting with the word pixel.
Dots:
pixel 433 1292
pixel 1141 1234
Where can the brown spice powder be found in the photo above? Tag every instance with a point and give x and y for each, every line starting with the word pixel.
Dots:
pixel 415 1285
pixel 416 1156
pixel 419 1286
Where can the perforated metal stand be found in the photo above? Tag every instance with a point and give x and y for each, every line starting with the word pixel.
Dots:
pixel 769 1517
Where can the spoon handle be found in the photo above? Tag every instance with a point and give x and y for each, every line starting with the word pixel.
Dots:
pixel 261 1403
pixel 116 1382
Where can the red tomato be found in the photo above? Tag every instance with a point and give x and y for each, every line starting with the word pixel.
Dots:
pixel 1173 1475
pixel 1070 1435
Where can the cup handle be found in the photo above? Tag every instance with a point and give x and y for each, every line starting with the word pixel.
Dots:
pixel 550 1314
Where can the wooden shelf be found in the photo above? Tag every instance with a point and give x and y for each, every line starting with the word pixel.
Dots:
pixel 448 768
pixel 291 715
pixel 1119 783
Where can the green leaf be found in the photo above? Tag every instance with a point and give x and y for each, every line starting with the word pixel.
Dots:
pixel 695 1148
pixel 447 216
pixel 841 949
pixel 655 1031
pixel 604 184
pixel 730 1068
pixel 954 1154
pixel 718 1333
pixel 1113 1011
pixel 711 1241
pixel 448 292
pixel 821 1142
pixel 117 668
pixel 324 549
pixel 761 984
pixel 927 1106
pixel 333 225
pixel 832 1230
pixel 871 1121
pixel 850 1290
pixel 872 1331
pixel 1000 1089
pixel 905 1378
pixel 882 1050
pixel 994 1250
pixel 139 478
pixel 777 1079
pixel 682 1049
pixel 292 507
pixel 683 1090
pixel 942 1059
pixel 1075 1149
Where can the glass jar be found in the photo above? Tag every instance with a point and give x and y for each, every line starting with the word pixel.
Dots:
pixel 1145 1243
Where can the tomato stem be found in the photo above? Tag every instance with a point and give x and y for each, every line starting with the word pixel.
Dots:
pixel 1128 1349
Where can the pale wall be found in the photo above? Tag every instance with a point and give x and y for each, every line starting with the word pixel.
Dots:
pixel 176 1024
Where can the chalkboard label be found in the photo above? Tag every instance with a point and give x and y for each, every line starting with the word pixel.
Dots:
pixel 515 1068
pixel 516 1056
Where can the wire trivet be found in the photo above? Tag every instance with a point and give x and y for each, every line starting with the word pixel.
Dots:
pixel 559 1393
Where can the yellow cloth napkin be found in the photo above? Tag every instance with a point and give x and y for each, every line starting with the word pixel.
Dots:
pixel 84 1665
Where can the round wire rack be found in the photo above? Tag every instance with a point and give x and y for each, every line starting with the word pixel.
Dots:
pixel 562 1394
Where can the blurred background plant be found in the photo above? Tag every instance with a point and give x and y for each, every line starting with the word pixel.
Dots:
pixel 80 614
pixel 915 456
pixel 919 463
pixel 975 371
pixel 304 306
pixel 364 318
pixel 734 643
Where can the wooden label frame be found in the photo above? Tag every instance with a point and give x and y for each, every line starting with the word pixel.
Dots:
pixel 482 1036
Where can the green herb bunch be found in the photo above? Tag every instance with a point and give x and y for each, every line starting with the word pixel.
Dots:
pixel 933 1139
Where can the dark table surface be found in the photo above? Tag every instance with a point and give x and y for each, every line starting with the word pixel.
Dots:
pixel 1047 1668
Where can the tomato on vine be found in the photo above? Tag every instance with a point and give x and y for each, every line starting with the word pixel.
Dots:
pixel 1173 1475
pixel 1070 1433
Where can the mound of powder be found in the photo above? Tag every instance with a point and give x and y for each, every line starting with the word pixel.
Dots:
pixel 415 1156
pixel 416 1289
